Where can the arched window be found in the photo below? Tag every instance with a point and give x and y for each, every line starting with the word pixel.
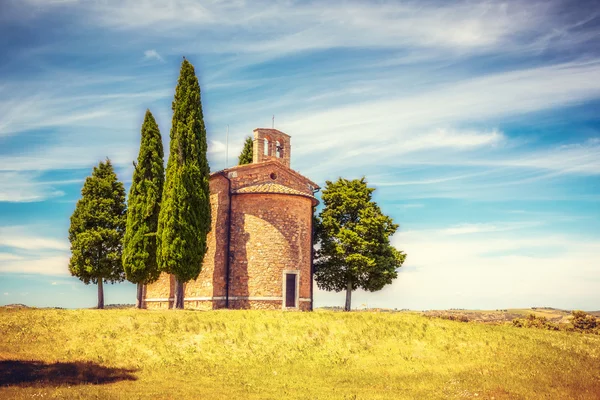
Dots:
pixel 266 147
pixel 278 149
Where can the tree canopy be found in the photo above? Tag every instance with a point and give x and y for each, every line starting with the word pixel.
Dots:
pixel 247 152
pixel 139 245
pixel 353 236
pixel 184 219
pixel 97 229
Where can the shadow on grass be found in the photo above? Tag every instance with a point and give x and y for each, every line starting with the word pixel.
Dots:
pixel 38 373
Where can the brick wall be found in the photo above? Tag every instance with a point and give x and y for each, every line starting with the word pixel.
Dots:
pixel 211 281
pixel 270 233
pixel 253 174
pixel 273 136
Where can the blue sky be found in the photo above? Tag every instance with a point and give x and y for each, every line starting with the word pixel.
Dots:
pixel 477 122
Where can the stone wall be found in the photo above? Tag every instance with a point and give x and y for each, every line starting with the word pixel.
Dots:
pixel 253 174
pixel 271 233
pixel 272 136
pixel 211 281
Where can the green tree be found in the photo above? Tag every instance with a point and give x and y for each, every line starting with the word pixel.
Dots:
pixel 353 236
pixel 247 152
pixel 139 245
pixel 184 219
pixel 97 229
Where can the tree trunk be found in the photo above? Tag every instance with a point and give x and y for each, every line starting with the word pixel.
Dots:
pixel 100 294
pixel 178 294
pixel 140 295
pixel 347 306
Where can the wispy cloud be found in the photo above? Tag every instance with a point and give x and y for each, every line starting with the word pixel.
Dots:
pixel 496 270
pixel 26 186
pixel 411 205
pixel 464 229
pixel 153 55
pixel 519 270
pixel 50 265
pixel 23 238
pixel 57 104
pixel 286 27
pixel 9 257
pixel 29 250
pixel 404 125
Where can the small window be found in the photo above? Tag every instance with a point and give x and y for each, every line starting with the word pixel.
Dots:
pixel 290 290
pixel 273 175
pixel 278 149
pixel 266 148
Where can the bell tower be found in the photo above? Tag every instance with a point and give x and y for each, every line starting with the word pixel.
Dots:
pixel 271 144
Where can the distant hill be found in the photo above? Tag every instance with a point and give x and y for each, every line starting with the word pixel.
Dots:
pixel 15 306
pixel 109 306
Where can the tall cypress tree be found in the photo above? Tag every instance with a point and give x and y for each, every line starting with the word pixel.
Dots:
pixel 139 244
pixel 247 152
pixel 184 219
pixel 97 229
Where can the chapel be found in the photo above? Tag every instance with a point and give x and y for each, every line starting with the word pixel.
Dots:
pixel 260 245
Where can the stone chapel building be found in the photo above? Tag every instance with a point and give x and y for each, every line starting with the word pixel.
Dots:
pixel 260 246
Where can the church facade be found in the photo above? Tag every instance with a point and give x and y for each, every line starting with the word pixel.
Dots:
pixel 260 245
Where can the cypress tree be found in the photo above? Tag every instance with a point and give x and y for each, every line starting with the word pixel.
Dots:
pixel 139 244
pixel 97 229
pixel 247 152
pixel 184 219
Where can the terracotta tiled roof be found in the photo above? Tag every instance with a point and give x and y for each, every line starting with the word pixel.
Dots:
pixel 274 188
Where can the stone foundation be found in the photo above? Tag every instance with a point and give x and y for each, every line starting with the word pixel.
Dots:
pixel 239 304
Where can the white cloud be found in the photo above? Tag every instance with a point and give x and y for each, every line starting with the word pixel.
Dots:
pixel 452 139
pixel 64 282
pixel 495 270
pixel 6 293
pixel 58 102
pixel 398 117
pixel 9 257
pixel 25 186
pixel 400 127
pixel 463 229
pixel 51 265
pixel 30 251
pixel 282 27
pixel 384 181
pixel 411 205
pixel 24 239
pixel 404 129
pixel 152 55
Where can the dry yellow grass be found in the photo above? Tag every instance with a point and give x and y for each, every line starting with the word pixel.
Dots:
pixel 274 355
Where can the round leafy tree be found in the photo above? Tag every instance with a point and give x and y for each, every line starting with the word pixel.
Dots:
pixel 353 236
pixel 97 229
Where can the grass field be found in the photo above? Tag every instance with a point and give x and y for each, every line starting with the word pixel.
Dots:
pixel 133 354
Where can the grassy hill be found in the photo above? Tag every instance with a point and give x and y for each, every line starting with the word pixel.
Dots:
pixel 133 354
